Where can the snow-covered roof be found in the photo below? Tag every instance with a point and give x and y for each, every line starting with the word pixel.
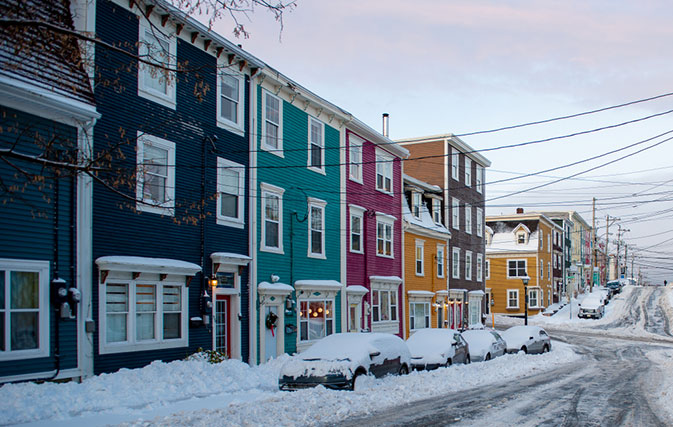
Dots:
pixel 427 294
pixel 507 242
pixel 477 293
pixel 424 222
pixel 331 285
pixel 408 179
pixel 356 290
pixel 147 265
pixel 230 258
pixel 267 288
pixel 395 279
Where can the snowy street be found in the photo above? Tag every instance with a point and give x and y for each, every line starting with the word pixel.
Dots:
pixel 612 371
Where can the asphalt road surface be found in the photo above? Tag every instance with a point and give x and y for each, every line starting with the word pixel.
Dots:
pixel 611 386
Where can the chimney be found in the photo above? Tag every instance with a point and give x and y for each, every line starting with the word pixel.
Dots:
pixel 519 210
pixel 385 124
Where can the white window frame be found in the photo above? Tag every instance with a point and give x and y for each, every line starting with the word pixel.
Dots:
pixel 131 343
pixel 167 99
pixel 455 163
pixel 43 310
pixel 419 262
pixel 147 205
pixel 541 269
pixel 278 151
pixel 549 242
pixel 468 265
pixel 386 221
pixel 455 263
pixel 441 261
pixel 468 172
pixel 509 298
pixel 321 143
pixel 416 203
pixel 548 270
pixel 356 212
pixel 384 168
pixel 455 213
pixel 480 178
pixel 265 191
pixel 355 165
pixel 487 267
pixel 239 220
pixel 321 205
pixel 300 319
pixel 468 218
pixel 437 210
pixel 480 222
pixel 234 126
pixel 480 267
pixel 525 268
pixel 413 321
pixel 391 312
pixel 536 292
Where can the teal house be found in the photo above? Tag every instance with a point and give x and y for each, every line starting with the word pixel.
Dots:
pixel 297 282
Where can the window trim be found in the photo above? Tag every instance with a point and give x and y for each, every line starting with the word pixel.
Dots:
pixel 355 143
pixel 455 163
pixel 455 213
pixel 390 291
pixel 455 263
pixel 386 220
pixel 536 291
pixel 356 212
pixel 236 127
pixel 487 268
pixel 441 261
pixel 480 178
pixel 44 309
pixel 168 207
pixel 480 267
pixel 238 222
pixel 480 222
pixel 300 319
pixel 468 265
pixel 427 317
pixel 508 299
pixel 525 267
pixel 468 218
pixel 416 204
pixel 320 169
pixel 385 161
pixel 263 145
pixel 437 210
pixel 321 204
pixel 277 191
pixel 144 91
pixel 468 172
pixel 420 244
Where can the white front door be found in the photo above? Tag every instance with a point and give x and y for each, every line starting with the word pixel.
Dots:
pixel 271 334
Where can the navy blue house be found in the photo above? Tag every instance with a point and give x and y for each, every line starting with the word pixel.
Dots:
pixel 170 214
pixel 46 112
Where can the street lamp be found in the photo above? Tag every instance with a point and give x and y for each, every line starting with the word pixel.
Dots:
pixel 525 281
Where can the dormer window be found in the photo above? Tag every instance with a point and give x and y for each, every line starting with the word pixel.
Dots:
pixel 522 234
pixel 437 211
pixel 521 238
pixel 416 200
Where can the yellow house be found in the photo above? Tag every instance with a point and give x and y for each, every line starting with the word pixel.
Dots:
pixel 426 242
pixel 519 246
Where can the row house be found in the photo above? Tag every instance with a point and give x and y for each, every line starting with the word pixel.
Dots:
pixel 454 166
pixel 561 245
pixel 520 246
pixel 425 258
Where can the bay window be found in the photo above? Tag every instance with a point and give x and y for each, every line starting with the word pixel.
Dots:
pixel 316 319
pixel 419 315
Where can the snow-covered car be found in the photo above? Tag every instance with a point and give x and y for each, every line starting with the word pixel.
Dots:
pixel 615 286
pixel 592 307
pixel 431 348
pixel 529 339
pixel 337 360
pixel 484 344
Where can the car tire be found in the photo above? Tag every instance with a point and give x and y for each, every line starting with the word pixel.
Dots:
pixel 404 370
pixel 358 374
pixel 545 349
pixel 488 356
pixel 448 363
pixel 524 349
pixel 467 360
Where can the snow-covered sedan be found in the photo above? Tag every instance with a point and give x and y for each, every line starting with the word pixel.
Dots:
pixel 529 339
pixel 431 348
pixel 337 360
pixel 484 344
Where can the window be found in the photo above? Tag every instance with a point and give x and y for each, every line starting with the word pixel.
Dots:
pixel 487 267
pixel 440 261
pixel 316 138
pixel 384 305
pixel 155 177
pixel 480 267
pixel 480 222
pixel 548 270
pixel 475 308
pixel 516 268
pixel 272 218
pixel 355 158
pixel 541 239
pixel 455 263
pixel 455 158
pixel 145 314
pixel 480 179
pixel 468 218
pixel 533 298
pixel 156 83
pixel 455 213
pixel 384 237
pixel 316 319
pixel 512 298
pixel 468 172
pixel 384 172
pixel 316 225
pixel 230 193
pixel 549 243
pixel 437 211
pixel 468 265
pixel 419 315
pixel 541 269
pixel 419 258
pixel 230 101
pixel 272 123
pixel 521 237
pixel 555 261
pixel 416 201
pixel 24 309
pixel 356 229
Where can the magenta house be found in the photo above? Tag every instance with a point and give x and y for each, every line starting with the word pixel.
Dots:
pixel 374 246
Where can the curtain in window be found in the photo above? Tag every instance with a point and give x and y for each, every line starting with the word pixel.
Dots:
pixel 146 308
pixel 116 309
pixel 172 302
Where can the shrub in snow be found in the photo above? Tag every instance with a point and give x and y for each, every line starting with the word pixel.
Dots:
pixel 210 356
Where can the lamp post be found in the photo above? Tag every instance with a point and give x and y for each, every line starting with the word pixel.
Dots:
pixel 525 281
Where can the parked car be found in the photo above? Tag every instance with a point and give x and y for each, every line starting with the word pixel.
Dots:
pixel 337 360
pixel 529 339
pixel 615 286
pixel 592 307
pixel 484 344
pixel 431 348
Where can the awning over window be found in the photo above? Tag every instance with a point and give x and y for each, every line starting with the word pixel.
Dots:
pixel 230 258
pixel 356 290
pixel 388 279
pixel 318 288
pixel 147 265
pixel 281 289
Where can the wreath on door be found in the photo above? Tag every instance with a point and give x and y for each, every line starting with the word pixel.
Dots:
pixel 271 321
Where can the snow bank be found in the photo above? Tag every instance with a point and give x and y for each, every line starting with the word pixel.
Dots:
pixel 664 361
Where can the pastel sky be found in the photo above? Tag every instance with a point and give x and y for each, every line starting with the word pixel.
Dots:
pixel 440 66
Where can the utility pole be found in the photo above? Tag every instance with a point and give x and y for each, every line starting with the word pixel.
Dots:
pixel 593 243
pixel 607 244
pixel 626 260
